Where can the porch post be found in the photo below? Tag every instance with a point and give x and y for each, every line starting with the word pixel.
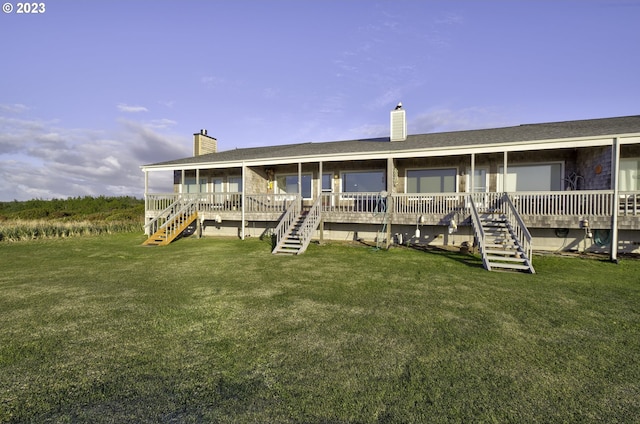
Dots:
pixel 389 209
pixel 300 182
pixel 182 182
pixel 615 172
pixel 320 195
pixel 198 180
pixel 504 174
pixel 472 181
pixel 242 207
pixel 146 200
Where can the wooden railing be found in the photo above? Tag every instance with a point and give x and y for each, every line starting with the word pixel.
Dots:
pixel 292 213
pixel 478 230
pixel 371 203
pixel 428 204
pixel 597 203
pixel 311 222
pixel 563 203
pixel 519 229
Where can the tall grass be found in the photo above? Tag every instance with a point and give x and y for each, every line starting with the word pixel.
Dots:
pixel 22 230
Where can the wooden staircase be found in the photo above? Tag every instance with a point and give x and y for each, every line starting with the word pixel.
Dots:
pixel 173 226
pixel 501 248
pixel 296 227
pixel 502 238
pixel 291 243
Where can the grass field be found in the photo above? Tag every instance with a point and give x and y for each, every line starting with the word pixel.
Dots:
pixel 100 329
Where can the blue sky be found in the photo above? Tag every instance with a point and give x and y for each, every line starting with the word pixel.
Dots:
pixel 91 90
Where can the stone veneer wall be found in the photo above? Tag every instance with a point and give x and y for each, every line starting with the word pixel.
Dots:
pixel 594 165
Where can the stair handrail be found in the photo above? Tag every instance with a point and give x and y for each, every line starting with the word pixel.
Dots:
pixel 479 231
pixel 154 225
pixel 310 224
pixel 287 219
pixel 187 210
pixel 520 230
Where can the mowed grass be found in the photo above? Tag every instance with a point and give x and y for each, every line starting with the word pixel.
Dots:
pixel 100 329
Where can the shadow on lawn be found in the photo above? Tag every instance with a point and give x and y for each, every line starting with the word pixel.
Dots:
pixel 467 259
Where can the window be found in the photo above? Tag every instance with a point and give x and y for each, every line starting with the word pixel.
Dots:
pixel 288 184
pixel 431 180
pixel 363 182
pixel 190 185
pixel 537 177
pixel 235 185
pixel 629 175
pixel 326 183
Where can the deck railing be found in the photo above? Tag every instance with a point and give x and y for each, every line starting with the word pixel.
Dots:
pixel 596 203
pixel 370 203
pixel 429 204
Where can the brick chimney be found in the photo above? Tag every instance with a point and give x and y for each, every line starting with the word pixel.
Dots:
pixel 203 144
pixel 398 124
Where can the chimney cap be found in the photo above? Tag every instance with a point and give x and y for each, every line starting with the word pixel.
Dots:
pixel 399 106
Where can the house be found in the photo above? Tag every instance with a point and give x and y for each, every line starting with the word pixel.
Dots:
pixel 559 186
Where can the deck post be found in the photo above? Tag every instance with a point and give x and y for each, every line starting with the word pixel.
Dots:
pixel 389 200
pixel 615 171
pixel 319 191
pixel 243 203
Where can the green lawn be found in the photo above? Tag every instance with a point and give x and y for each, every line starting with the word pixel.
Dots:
pixel 100 329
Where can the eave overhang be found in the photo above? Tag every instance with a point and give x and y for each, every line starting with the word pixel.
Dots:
pixel 425 152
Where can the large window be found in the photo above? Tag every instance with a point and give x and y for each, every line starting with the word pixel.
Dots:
pixel 629 174
pixel 363 182
pixel 235 184
pixel 190 185
pixel 536 177
pixel 431 180
pixel 288 184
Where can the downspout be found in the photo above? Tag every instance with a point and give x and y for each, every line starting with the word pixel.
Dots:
pixel 242 201
pixel 615 172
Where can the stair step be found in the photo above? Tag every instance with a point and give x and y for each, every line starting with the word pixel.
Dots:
pixel 509 266
pixel 512 252
pixel 505 259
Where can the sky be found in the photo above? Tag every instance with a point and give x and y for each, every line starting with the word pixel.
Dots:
pixel 91 90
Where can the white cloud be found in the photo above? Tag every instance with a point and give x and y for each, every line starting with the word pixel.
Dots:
pixel 41 159
pixel 14 108
pixel 131 109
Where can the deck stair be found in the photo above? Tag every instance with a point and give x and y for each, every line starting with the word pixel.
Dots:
pixel 291 243
pixel 173 226
pixel 503 240
pixel 296 228
pixel 500 246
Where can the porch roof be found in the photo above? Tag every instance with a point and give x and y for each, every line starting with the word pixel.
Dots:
pixel 456 142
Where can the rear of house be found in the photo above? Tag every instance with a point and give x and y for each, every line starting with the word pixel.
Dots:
pixel 554 186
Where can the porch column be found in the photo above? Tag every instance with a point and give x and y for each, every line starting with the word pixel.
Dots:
pixel 146 190
pixel 504 174
pixel 242 208
pixel 300 181
pixel 182 182
pixel 320 195
pixel 615 172
pixel 198 180
pixel 390 191
pixel 472 177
